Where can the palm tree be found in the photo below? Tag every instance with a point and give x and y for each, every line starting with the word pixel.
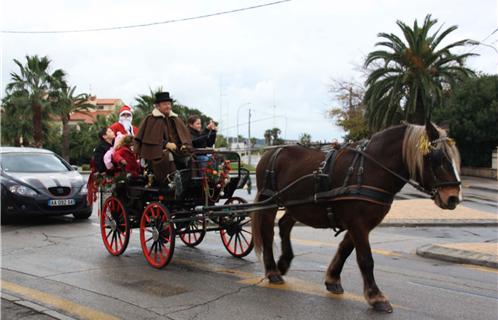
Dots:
pixel 275 132
pixel 64 102
pixel 144 106
pixel 411 77
pixel 33 82
pixel 268 137
pixel 17 128
pixel 305 139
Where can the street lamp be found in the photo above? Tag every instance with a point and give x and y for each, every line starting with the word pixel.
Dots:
pixel 238 109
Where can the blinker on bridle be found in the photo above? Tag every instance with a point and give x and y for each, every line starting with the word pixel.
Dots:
pixel 428 148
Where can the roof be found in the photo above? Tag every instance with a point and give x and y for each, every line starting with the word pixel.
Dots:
pixel 108 101
pixel 23 150
pixel 89 116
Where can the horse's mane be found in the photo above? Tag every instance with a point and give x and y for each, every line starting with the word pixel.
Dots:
pixel 413 156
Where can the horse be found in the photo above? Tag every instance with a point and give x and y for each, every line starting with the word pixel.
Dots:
pixel 422 155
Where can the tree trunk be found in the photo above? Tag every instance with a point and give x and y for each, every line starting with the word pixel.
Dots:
pixel 65 137
pixel 418 117
pixel 37 126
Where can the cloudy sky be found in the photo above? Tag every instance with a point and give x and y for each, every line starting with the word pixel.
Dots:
pixel 276 60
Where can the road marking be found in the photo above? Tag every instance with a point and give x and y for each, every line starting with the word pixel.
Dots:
pixel 67 306
pixel 291 284
pixel 314 243
pixel 298 285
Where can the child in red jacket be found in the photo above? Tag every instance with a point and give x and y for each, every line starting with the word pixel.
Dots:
pixel 124 157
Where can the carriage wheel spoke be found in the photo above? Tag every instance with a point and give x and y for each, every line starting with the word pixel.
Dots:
pixel 240 243
pixel 245 239
pixel 243 224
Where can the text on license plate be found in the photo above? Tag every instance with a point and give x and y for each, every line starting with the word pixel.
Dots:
pixel 61 202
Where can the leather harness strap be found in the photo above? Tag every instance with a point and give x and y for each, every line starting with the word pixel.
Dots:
pixel 270 185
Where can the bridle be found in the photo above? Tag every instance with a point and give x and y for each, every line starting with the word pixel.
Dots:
pixel 436 154
pixel 431 147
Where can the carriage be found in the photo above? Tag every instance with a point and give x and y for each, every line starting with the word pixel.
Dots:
pixel 350 189
pixel 192 202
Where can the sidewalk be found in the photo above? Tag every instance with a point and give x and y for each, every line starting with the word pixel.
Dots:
pixel 481 254
pixel 423 212
pixel 480 183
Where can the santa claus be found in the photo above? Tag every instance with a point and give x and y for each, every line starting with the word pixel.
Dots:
pixel 123 125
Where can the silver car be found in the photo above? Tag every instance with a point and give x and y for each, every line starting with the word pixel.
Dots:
pixel 38 182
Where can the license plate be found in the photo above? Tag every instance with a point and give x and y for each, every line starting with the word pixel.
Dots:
pixel 61 202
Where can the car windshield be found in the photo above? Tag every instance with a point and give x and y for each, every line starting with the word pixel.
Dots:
pixel 32 162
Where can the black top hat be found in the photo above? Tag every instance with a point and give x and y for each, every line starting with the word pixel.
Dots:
pixel 163 96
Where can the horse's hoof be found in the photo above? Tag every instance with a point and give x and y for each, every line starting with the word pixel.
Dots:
pixel 383 306
pixel 275 279
pixel 335 288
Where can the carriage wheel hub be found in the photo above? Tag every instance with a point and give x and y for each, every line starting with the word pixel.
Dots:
pixel 155 234
pixel 113 225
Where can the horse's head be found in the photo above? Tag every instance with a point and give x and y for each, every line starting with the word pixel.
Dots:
pixel 434 162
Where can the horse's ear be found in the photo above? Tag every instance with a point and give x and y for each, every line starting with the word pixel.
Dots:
pixel 431 130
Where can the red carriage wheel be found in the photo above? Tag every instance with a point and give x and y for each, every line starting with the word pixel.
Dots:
pixel 157 235
pixel 114 226
pixel 236 234
pixel 194 232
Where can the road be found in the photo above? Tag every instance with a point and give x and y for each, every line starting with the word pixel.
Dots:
pixel 62 263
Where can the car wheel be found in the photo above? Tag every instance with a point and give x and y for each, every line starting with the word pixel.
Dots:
pixel 82 215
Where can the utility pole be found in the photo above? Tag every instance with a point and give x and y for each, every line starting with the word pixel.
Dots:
pixel 249 139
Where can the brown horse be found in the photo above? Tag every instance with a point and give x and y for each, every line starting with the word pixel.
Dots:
pixel 422 154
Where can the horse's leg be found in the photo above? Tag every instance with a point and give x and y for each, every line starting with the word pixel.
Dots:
pixel 267 234
pixel 372 293
pixel 333 277
pixel 285 225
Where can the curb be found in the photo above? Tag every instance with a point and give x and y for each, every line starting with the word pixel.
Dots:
pixel 458 256
pixel 483 188
pixel 36 307
pixel 440 223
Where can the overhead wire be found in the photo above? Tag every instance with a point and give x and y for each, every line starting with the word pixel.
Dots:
pixel 144 24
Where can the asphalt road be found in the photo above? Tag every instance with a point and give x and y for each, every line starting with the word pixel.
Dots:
pixel 62 263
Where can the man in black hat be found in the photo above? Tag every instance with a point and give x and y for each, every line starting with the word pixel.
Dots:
pixel 163 139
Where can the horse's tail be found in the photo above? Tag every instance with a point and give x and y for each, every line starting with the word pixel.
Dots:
pixel 256 223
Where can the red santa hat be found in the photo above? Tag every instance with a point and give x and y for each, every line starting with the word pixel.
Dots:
pixel 125 109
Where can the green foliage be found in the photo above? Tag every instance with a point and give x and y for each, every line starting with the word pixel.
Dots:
pixel 32 84
pixel 305 139
pixel 145 105
pixel 221 141
pixel 350 115
pixel 472 116
pixel 409 77
pixel 272 137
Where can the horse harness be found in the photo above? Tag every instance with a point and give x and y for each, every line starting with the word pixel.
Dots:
pixel 324 194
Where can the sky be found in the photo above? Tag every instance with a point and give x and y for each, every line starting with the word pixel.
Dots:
pixel 279 61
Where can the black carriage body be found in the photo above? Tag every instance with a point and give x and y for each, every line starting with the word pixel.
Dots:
pixel 135 194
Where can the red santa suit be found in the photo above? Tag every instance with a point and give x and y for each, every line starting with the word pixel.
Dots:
pixel 124 153
pixel 123 124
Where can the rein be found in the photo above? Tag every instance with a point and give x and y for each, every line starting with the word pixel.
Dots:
pixel 410 182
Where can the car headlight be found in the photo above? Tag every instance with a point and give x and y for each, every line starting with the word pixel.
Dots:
pixel 84 189
pixel 22 190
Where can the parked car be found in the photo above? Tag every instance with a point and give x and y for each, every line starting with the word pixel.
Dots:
pixel 38 182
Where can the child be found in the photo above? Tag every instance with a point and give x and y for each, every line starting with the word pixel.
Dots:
pixel 108 155
pixel 124 157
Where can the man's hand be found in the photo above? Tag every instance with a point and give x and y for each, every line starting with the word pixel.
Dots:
pixel 171 146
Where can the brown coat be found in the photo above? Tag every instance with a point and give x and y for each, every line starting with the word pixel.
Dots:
pixel 153 134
